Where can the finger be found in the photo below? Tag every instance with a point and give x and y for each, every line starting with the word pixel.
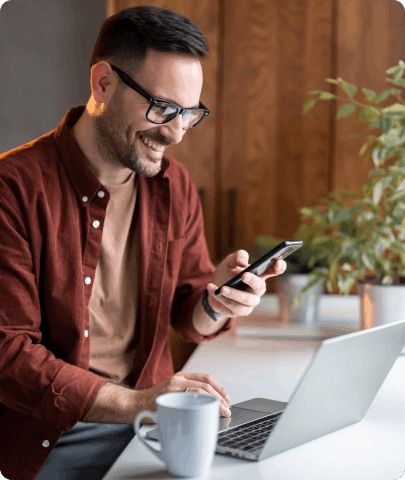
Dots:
pixel 215 303
pixel 211 382
pixel 237 260
pixel 233 299
pixel 224 410
pixel 277 269
pixel 257 284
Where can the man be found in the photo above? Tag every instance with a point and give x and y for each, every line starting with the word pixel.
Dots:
pixel 102 247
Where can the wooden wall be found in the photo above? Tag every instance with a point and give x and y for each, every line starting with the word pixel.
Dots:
pixel 370 38
pixel 256 159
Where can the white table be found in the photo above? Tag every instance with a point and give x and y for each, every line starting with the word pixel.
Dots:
pixel 373 449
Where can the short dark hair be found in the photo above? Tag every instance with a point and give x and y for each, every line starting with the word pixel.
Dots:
pixel 125 37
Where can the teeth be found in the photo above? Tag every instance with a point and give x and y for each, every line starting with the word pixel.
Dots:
pixel 150 144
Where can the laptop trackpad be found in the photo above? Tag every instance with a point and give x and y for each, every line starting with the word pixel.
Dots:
pixel 262 405
pixel 239 416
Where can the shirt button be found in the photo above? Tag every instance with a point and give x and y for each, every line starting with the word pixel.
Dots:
pixel 101 194
pixel 85 199
pixel 87 280
pixel 86 333
pixel 96 224
pixel 45 443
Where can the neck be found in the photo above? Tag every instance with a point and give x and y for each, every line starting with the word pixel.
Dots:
pixel 107 172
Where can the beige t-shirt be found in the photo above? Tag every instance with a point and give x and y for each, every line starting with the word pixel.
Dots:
pixel 113 301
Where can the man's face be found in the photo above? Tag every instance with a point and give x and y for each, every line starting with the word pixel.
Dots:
pixel 123 133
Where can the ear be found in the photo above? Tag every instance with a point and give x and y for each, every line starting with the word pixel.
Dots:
pixel 103 82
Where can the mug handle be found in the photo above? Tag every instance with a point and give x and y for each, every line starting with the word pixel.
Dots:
pixel 137 426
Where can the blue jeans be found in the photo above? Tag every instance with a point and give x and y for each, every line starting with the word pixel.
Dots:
pixel 86 452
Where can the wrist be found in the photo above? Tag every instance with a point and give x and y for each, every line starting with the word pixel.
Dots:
pixel 113 404
pixel 208 309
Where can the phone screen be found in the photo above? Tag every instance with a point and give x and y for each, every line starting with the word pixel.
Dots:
pixel 260 266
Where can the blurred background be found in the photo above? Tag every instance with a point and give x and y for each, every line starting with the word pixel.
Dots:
pixel 256 159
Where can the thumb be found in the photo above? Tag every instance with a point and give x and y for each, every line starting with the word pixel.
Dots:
pixel 238 260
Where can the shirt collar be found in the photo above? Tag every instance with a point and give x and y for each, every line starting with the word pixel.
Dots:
pixel 84 181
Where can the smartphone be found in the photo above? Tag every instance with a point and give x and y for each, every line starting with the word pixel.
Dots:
pixel 260 266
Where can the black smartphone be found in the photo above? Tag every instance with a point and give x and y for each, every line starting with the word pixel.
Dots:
pixel 260 266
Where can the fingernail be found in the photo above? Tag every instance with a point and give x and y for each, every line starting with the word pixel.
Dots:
pixel 228 399
pixel 226 290
pixel 248 277
pixel 225 411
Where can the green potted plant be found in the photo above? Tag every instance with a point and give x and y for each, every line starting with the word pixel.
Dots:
pixel 296 277
pixel 366 226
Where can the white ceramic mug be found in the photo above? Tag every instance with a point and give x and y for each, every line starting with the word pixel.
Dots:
pixel 187 432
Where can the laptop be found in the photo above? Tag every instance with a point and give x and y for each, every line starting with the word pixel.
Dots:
pixel 335 391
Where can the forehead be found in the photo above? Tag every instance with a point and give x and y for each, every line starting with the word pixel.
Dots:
pixel 171 77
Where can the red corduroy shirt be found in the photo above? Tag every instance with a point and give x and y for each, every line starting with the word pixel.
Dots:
pixel 48 256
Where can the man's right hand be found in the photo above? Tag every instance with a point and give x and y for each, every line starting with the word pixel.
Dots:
pixel 116 404
pixel 195 382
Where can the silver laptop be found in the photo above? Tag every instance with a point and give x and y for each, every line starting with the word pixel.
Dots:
pixel 336 390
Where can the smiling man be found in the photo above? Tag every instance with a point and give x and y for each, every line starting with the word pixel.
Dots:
pixel 102 249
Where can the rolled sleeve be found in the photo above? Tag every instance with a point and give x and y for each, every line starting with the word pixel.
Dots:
pixel 68 398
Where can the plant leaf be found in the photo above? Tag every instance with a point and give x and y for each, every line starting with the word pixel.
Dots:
pixel 377 192
pixel 395 108
pixel 393 69
pixel 369 114
pixel 383 96
pixel 310 104
pixel 332 80
pixel 376 156
pixel 367 261
pixel 346 110
pixel 350 89
pixel 370 94
pixel 307 212
pixel 400 82
pixel 363 148
pixel 397 195
pixel 327 96
pixel 377 171
pixel 385 124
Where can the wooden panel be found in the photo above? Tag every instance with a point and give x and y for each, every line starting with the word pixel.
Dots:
pixel 197 151
pixel 276 159
pixel 370 39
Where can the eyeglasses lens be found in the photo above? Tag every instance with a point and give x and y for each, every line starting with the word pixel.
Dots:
pixel 163 112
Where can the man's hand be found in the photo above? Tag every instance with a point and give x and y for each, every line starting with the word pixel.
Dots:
pixel 234 303
pixel 194 382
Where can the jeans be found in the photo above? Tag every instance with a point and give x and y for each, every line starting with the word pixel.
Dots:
pixel 86 452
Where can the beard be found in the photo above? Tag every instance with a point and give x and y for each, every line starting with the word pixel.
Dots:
pixel 108 129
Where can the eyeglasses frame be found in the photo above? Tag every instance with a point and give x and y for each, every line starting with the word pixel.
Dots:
pixel 152 100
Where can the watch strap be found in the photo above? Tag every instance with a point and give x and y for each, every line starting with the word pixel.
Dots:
pixel 207 308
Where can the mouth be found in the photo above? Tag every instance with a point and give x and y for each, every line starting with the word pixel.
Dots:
pixel 155 147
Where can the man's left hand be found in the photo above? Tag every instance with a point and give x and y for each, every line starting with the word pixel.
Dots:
pixel 235 303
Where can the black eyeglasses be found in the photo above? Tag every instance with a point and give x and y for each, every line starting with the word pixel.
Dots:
pixel 162 111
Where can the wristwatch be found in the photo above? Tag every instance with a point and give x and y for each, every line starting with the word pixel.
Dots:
pixel 208 309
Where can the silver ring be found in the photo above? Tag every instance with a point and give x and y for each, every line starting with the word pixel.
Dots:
pixel 186 390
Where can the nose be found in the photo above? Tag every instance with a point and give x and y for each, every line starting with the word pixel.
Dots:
pixel 173 130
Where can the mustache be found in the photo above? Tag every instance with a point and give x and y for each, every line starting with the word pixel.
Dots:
pixel 156 137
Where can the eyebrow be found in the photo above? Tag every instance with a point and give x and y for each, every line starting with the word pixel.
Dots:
pixel 187 108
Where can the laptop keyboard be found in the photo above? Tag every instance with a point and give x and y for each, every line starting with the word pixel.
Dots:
pixel 250 436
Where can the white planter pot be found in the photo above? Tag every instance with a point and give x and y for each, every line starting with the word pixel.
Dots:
pixel 287 288
pixel 381 304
